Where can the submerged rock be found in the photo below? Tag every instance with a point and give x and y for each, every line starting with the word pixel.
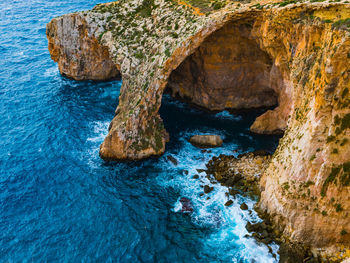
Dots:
pixel 208 189
pixel 228 203
pixel 206 141
pixel 244 206
pixel 173 160
pixel 186 205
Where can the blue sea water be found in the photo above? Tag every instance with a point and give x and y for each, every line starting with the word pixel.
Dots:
pixel 59 202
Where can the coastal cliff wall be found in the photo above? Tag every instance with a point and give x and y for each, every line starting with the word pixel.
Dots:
pixel 74 45
pixel 294 55
pixel 225 69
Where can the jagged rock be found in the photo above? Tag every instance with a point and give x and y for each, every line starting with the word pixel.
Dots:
pixel 74 45
pixel 228 203
pixel 244 206
pixel 206 141
pixel 249 227
pixel 233 192
pixel 218 176
pixel 208 189
pixel 186 205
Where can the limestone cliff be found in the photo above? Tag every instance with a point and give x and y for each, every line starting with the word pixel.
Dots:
pixel 232 55
pixel 74 45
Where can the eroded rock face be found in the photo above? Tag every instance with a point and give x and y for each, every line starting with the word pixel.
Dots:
pixel 302 60
pixel 228 71
pixel 73 45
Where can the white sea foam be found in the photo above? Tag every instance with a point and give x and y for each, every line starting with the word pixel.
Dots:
pixel 51 71
pixel 227 115
pixel 100 131
pixel 228 238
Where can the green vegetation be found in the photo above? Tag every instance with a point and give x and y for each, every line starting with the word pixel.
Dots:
pixel 344 179
pixel 330 138
pixel 343 232
pixel 139 55
pixel 345 122
pixel 338 208
pixel 330 179
pixel 342 24
pixel 100 36
pixel 145 10
pixel 167 52
pixel 287 2
pixel 285 186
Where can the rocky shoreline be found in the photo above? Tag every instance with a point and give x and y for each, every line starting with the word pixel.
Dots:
pixel 241 175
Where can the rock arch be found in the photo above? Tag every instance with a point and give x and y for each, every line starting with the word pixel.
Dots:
pixel 255 81
pixel 307 56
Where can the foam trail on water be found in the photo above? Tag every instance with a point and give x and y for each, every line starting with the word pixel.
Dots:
pixel 227 239
pixel 100 131
pixel 51 71
pixel 226 115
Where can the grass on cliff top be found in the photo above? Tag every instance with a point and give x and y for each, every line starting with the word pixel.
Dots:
pixel 206 6
pixel 342 24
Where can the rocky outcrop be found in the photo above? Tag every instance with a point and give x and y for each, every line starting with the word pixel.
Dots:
pixel 294 54
pixel 206 141
pixel 73 44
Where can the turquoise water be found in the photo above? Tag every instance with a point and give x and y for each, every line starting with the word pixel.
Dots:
pixel 60 202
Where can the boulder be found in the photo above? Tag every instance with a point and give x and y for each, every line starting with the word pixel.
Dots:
pixel 206 141
pixel 228 203
pixel 208 189
pixel 244 206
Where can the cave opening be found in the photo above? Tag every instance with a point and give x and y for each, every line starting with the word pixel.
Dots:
pixel 229 71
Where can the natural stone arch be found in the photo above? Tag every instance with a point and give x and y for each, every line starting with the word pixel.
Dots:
pixel 306 101
pixel 227 71
pixel 310 56
pixel 146 135
pixel 142 133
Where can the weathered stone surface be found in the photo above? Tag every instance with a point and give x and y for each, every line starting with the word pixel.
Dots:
pixel 74 45
pixel 302 52
pixel 206 141
pixel 228 70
